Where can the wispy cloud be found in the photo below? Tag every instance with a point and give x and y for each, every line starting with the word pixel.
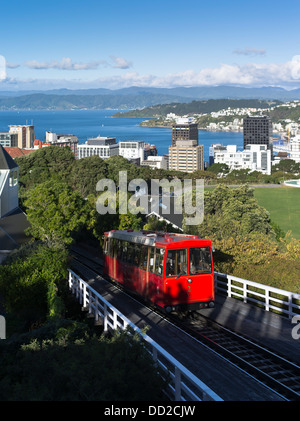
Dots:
pixel 65 64
pixel 2 68
pixel 250 52
pixel 120 63
pixel 12 65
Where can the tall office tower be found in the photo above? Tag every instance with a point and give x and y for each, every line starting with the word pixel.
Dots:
pixel 258 131
pixel 186 156
pixel 25 135
pixel 184 131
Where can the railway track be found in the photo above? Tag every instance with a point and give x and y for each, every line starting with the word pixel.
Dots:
pixel 279 374
pixel 276 372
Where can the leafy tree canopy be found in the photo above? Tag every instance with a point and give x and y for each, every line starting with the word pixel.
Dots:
pixel 55 210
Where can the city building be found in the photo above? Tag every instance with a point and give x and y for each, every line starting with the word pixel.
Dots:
pixel 257 130
pixel 295 148
pixel 159 162
pixel 8 140
pixel 150 150
pixel 211 152
pixel 184 131
pixel 186 155
pixel 9 191
pixel 25 135
pixel 133 150
pixel 101 146
pixel 62 140
pixel 253 157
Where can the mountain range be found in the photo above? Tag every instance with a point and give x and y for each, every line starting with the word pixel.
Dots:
pixel 133 97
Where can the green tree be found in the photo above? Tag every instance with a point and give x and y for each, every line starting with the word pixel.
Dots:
pixel 66 362
pixel 229 212
pixel 28 278
pixel 55 211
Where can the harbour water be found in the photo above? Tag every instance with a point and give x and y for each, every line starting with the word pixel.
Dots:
pixel 91 123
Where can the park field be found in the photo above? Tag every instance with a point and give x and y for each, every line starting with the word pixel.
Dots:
pixel 283 203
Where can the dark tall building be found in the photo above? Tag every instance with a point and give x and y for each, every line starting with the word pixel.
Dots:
pixel 184 131
pixel 258 131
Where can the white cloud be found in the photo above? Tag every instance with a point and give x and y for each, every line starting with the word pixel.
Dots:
pixel 120 63
pixel 2 68
pixel 12 65
pixel 65 64
pixel 250 51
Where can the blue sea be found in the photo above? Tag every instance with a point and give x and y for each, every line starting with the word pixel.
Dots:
pixel 86 123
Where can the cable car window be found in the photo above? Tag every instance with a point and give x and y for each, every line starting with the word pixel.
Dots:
pixel 124 253
pixel 111 248
pixel 159 261
pixel 176 262
pixel 119 249
pixel 136 256
pixel 143 257
pixel 200 260
pixel 106 246
pixel 130 253
pixel 151 260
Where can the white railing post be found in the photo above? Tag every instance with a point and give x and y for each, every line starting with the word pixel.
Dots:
pixel 228 286
pixel 267 299
pixel 291 295
pixel 90 301
pixel 105 321
pixel 84 296
pixel 245 292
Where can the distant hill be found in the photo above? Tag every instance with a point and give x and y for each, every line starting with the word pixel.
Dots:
pixel 81 102
pixel 197 107
pixel 133 97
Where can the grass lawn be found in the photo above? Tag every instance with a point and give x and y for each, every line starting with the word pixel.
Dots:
pixel 283 203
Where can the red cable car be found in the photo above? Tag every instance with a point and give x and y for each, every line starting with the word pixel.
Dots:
pixel 173 271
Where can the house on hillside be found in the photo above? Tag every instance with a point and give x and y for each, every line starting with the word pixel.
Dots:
pixel 9 188
pixel 13 221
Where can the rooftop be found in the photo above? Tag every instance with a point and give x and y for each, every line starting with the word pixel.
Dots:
pixel 6 161
pixel 16 152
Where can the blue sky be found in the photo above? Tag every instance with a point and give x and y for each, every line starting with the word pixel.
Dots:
pixel 96 43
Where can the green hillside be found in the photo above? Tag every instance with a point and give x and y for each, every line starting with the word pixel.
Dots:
pixel 197 107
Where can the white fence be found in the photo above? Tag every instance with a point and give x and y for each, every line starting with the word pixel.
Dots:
pixel 184 385
pixel 272 299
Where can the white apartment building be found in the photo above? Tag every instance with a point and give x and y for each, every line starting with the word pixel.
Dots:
pixel 62 140
pixel 295 148
pixel 104 147
pixel 132 149
pixel 159 162
pixel 254 158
